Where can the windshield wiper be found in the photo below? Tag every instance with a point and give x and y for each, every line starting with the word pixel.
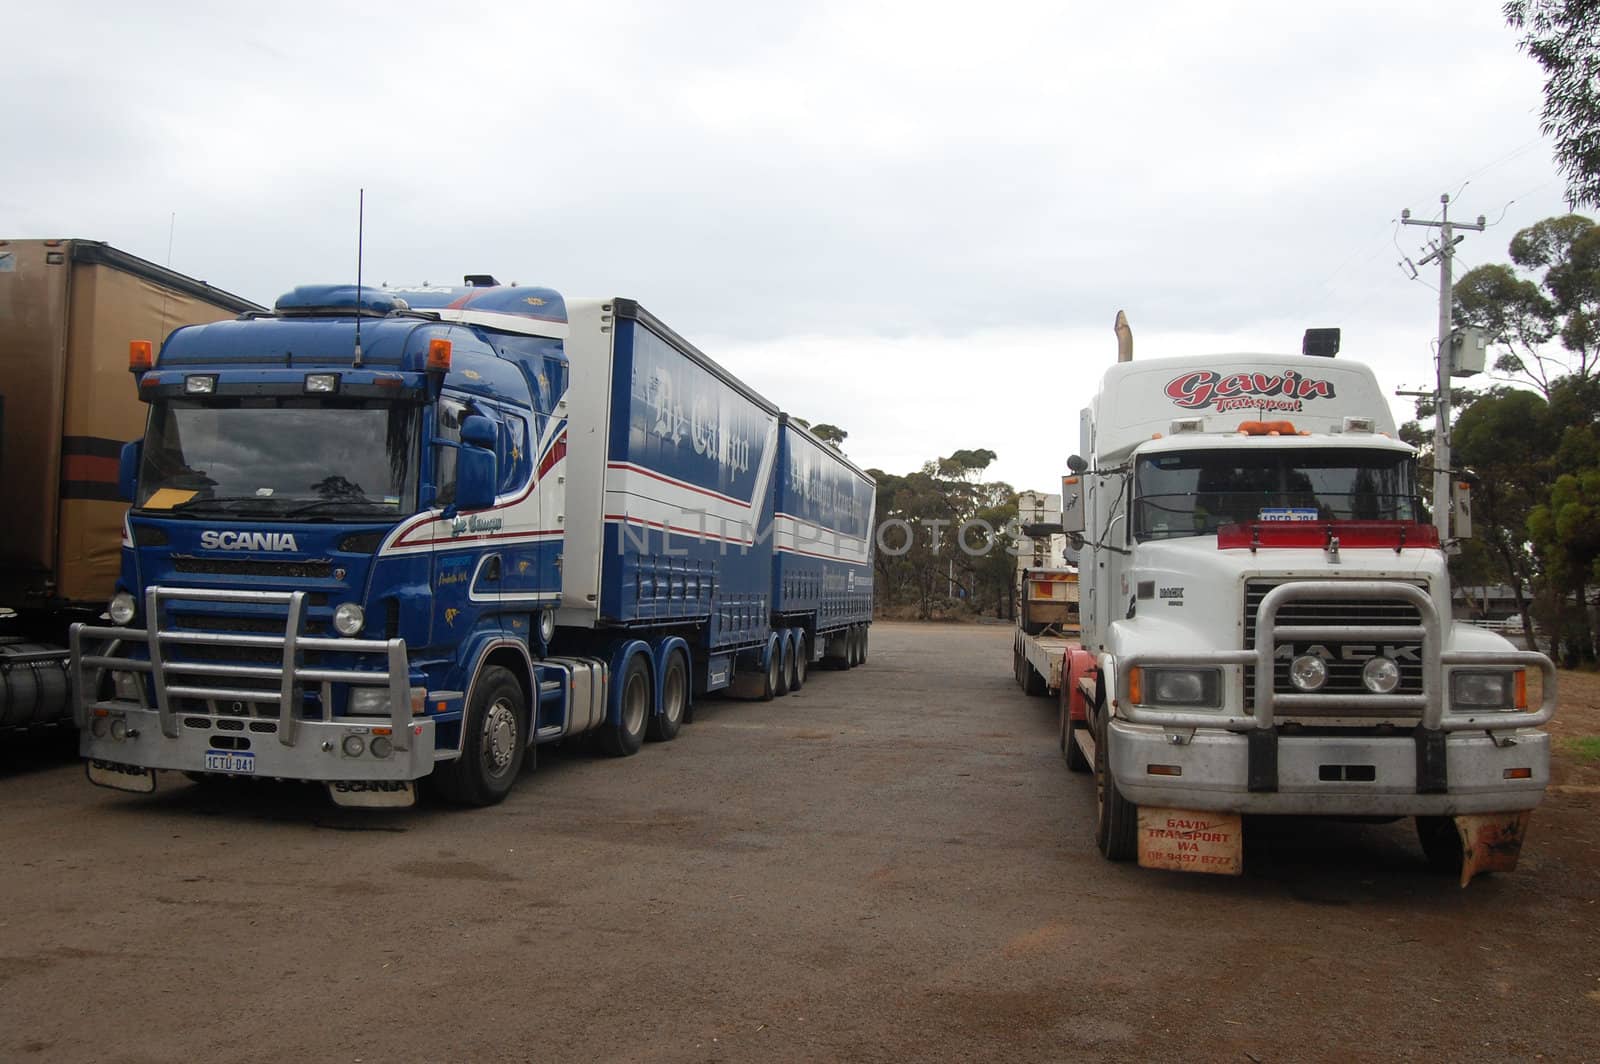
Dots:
pixel 354 501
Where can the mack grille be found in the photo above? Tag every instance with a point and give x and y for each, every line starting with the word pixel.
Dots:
pixel 1346 658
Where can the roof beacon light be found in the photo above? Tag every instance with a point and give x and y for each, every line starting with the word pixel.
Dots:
pixel 1267 428
pixel 141 356
pixel 438 355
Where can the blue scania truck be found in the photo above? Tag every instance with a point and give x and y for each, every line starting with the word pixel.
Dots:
pixel 383 535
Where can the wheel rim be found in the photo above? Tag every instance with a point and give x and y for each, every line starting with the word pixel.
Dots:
pixel 635 702
pixel 672 699
pixel 774 668
pixel 499 737
pixel 800 659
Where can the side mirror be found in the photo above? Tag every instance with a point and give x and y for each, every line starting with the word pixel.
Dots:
pixel 128 470
pixel 476 475
pixel 1072 519
pixel 1077 464
pixel 478 431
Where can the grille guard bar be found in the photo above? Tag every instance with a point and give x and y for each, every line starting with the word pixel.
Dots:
pixel 291 675
pixel 1436 716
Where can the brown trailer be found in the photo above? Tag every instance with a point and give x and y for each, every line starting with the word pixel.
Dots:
pixel 68 309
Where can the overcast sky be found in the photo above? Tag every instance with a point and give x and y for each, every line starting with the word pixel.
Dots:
pixel 915 221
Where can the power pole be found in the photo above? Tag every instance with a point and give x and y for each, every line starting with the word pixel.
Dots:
pixel 1444 250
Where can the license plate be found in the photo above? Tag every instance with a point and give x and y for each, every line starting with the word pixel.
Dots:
pixel 230 761
pixel 121 777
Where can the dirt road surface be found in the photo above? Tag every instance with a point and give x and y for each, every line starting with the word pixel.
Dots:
pixel 892 864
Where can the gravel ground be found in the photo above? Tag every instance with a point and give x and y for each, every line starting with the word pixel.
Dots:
pixel 891 864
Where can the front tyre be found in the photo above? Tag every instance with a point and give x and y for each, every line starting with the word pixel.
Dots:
pixel 1116 820
pixel 494 743
pixel 1441 844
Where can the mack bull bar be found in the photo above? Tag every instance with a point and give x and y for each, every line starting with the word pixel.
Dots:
pixel 206 681
pixel 1432 704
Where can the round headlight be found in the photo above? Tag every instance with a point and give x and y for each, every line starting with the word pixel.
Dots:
pixel 547 625
pixel 353 745
pixel 1381 675
pixel 122 608
pixel 1308 672
pixel 382 747
pixel 348 619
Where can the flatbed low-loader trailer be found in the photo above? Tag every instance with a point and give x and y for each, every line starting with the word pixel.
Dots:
pixel 1267 623
pixel 381 536
pixel 67 311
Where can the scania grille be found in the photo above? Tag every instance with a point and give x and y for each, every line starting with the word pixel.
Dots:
pixel 299 570
pixel 1345 659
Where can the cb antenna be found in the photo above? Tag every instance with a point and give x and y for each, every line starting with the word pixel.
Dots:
pixel 361 210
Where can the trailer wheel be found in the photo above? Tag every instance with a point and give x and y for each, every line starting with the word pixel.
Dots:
pixel 865 633
pixel 853 646
pixel 664 726
pixel 494 743
pixel 802 661
pixel 624 739
pixel 774 666
pixel 1016 665
pixel 1033 684
pixel 1441 844
pixel 1116 820
pixel 785 664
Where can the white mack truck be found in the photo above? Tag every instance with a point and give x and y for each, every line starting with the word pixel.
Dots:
pixel 1267 622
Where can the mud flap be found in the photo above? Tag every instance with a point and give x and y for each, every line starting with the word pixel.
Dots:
pixel 120 777
pixel 373 794
pixel 1491 842
pixel 1190 840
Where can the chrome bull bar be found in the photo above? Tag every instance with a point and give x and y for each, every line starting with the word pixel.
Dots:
pixel 291 676
pixel 1432 704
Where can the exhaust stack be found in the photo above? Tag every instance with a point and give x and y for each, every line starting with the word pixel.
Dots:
pixel 1124 338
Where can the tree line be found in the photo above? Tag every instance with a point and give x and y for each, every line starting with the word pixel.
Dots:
pixel 1531 441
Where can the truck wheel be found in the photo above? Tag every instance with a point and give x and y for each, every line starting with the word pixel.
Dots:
pixel 1070 749
pixel 866 631
pixel 1441 844
pixel 494 743
pixel 785 665
pixel 625 738
pixel 1016 665
pixel 1033 683
pixel 1116 820
pixel 853 642
pixel 664 726
pixel 802 661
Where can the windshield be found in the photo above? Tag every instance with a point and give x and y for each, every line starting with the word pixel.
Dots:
pixel 1194 493
pixel 281 457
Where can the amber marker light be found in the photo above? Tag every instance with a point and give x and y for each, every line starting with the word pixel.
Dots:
pixel 1521 701
pixel 438 355
pixel 1136 685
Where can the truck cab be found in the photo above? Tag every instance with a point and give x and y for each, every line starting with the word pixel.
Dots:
pixel 1267 623
pixel 343 549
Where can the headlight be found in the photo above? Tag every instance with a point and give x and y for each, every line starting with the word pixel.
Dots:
pixel 127 687
pixel 368 702
pixel 1380 675
pixel 348 619
pixel 1184 687
pixel 1308 672
pixel 122 608
pixel 547 625
pixel 1482 690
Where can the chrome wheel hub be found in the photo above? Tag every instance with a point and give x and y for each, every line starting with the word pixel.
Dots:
pixel 499 737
